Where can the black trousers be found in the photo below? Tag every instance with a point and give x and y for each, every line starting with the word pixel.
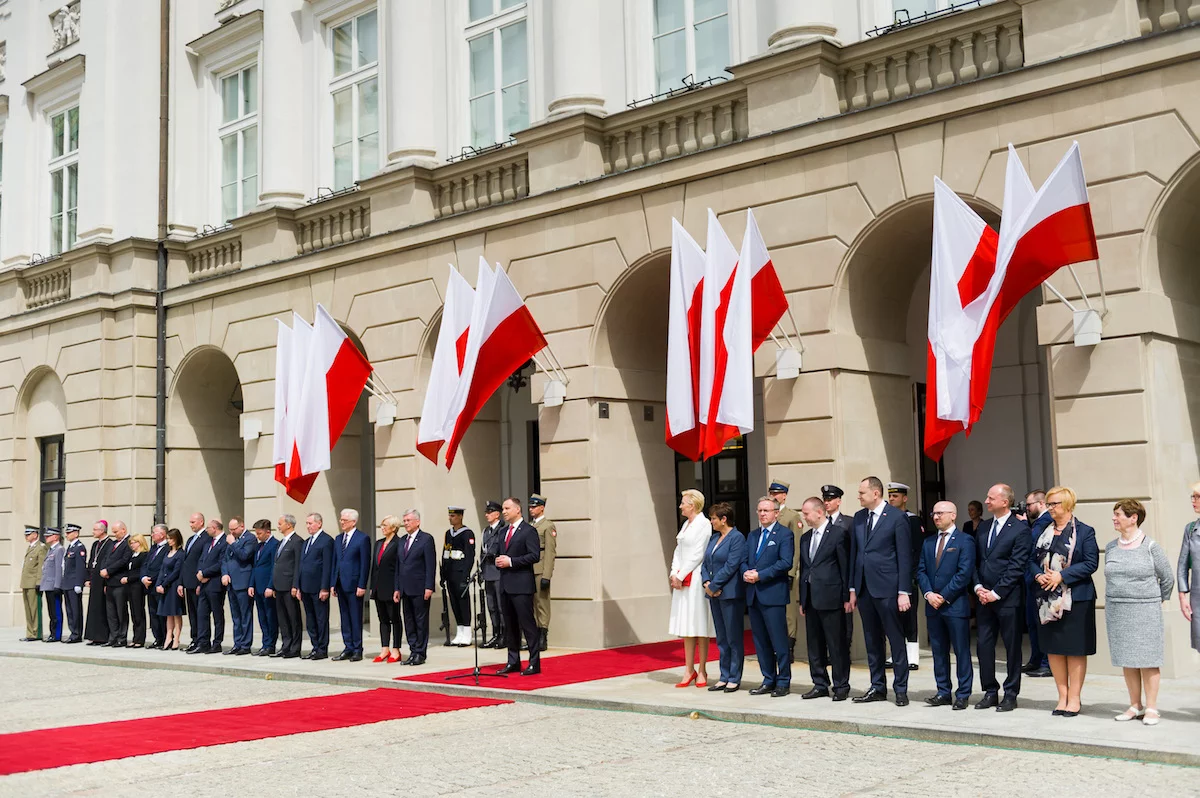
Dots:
pixel 316 617
pixel 416 623
pixel 828 645
pixel 158 623
pixel 118 613
pixel 135 599
pixel 191 604
pixel 74 607
pixel 287 608
pixel 391 627
pixel 1005 623
pixel 210 614
pixel 909 619
pixel 460 601
pixel 882 626
pixel 491 592
pixel 518 620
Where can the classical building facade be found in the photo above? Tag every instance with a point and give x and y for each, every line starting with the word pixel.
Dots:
pixel 344 151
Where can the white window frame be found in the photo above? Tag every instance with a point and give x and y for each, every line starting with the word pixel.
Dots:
pixel 352 80
pixel 3 122
pixel 689 37
pixel 62 164
pixel 238 127
pixel 491 26
pixel 641 71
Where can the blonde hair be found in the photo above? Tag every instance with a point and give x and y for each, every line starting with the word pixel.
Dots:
pixel 391 522
pixel 1068 497
pixel 695 497
pixel 141 541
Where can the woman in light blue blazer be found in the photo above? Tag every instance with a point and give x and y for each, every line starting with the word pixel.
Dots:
pixel 721 573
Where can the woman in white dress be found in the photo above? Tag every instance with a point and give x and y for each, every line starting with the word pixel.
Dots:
pixel 689 610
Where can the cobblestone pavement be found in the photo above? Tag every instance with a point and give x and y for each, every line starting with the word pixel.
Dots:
pixel 523 749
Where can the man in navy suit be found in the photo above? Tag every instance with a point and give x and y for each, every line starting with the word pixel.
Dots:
pixel 880 581
pixel 235 578
pixel 416 571
pixel 351 570
pixel 770 551
pixel 260 583
pixel 210 603
pixel 316 580
pixel 74 578
pixel 189 586
pixel 151 568
pixel 519 549
pixel 285 587
pixel 944 574
pixel 1002 552
pixel 825 600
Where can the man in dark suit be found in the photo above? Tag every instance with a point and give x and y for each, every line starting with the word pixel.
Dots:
pixel 285 587
pixel 260 584
pixel 115 566
pixel 74 578
pixel 210 602
pixel 825 600
pixel 151 568
pixel 189 585
pixel 770 551
pixel 519 550
pixel 944 574
pixel 416 572
pixel 880 577
pixel 240 545
pixel 96 626
pixel 351 572
pixel 897 496
pixel 1002 553
pixel 316 582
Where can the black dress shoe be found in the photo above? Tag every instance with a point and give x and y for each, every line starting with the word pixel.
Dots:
pixel 95 643
pixel 155 644
pixel 870 696
pixel 842 696
pixel 343 656
pixel 1030 667
pixel 1058 712
pixel 216 650
pixel 531 671
pixel 939 700
pixel 232 651
pixel 419 659
pixel 912 666
pixel 732 688
pixel 1008 704
pixel 319 655
pixel 959 703
pixel 713 688
pixel 763 689
pixel 1066 713
pixel 51 640
pixel 816 692
pixel 988 701
pixel 507 669
pixel 1041 673
pixel 74 640
pixel 780 692
pixel 901 699
pixel 356 657
pixel 293 655
pixel 309 655
pixel 198 650
pixel 241 652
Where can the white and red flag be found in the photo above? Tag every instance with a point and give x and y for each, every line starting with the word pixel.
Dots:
pixel 726 355
pixel 767 300
pixel 291 357
pixel 685 428
pixel 448 357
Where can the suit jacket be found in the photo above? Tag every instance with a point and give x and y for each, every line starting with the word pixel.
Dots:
pixel 383 567
pixel 264 564
pixel 525 552
pixel 723 565
pixel 133 574
pixel 416 569
pixel 1002 567
pixel 74 565
pixel 825 575
pixel 352 563
pixel 52 569
pixel 285 573
pixel 168 575
pixel 31 565
pixel 192 550
pixel 116 561
pixel 316 563
pixel 212 558
pixel 238 561
pixel 152 566
pixel 882 560
pixel 772 563
pixel 952 578
pixel 1083 564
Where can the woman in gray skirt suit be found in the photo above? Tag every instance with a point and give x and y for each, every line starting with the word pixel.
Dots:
pixel 1137 580
pixel 1188 576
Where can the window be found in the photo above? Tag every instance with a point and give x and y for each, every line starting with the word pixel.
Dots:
pixel 691 37
pixel 499 68
pixel 914 8
pixel 53 481
pixel 238 135
pixel 354 45
pixel 1 178
pixel 64 179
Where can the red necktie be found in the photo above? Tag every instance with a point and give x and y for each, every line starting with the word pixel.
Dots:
pixel 379 558
pixel 508 537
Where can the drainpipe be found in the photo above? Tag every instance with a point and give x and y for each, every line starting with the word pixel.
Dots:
pixel 160 310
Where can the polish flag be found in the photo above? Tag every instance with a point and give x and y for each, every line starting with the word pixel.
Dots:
pixel 726 358
pixel 507 338
pixel 289 389
pixel 767 300
pixel 448 358
pixel 334 379
pixel 685 430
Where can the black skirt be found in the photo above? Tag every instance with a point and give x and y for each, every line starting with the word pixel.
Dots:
pixel 1074 634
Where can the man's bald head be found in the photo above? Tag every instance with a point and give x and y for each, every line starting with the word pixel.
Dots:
pixel 944 515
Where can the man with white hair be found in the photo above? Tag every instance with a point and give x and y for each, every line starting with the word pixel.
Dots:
pixel 351 571
pixel 415 575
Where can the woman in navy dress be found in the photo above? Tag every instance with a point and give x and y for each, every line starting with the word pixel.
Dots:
pixel 170 603
pixel 721 573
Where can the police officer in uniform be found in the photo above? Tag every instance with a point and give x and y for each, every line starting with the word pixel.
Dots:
pixel 778 490
pixel 31 574
pixel 51 583
pixel 831 495
pixel 489 574
pixel 74 578
pixel 898 498
pixel 458 555
pixel 543 569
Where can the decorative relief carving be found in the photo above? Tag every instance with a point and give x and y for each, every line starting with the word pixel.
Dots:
pixel 64 26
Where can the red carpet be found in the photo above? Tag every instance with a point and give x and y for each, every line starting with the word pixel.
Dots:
pixel 99 742
pixel 587 666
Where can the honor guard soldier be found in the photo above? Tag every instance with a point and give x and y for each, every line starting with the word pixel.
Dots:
pixel 51 583
pixel 458 555
pixel 31 574
pixel 898 498
pixel 493 536
pixel 543 569
pixel 778 490
pixel 74 578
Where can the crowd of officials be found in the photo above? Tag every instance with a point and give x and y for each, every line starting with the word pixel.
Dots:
pixel 289 582
pixel 1024 572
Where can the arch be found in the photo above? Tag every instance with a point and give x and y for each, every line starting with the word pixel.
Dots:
pixel 40 412
pixel 648 278
pixel 1172 238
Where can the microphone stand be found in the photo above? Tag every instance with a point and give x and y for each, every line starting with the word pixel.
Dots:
pixel 475 672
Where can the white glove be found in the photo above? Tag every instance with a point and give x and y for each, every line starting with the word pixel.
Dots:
pixel 78 590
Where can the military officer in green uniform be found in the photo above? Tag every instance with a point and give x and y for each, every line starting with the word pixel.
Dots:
pixel 543 569
pixel 778 490
pixel 31 575
pixel 458 558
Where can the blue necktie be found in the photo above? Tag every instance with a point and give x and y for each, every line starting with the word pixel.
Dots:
pixel 762 541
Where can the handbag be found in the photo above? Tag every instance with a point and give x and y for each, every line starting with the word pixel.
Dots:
pixel 687 581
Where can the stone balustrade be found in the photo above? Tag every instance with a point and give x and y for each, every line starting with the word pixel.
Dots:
pixel 944 52
pixel 46 286
pixel 331 222
pixel 213 256
pixel 501 175
pixel 1156 16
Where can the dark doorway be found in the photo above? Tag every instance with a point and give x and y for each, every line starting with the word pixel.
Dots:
pixel 933 474
pixel 722 478
pixel 53 483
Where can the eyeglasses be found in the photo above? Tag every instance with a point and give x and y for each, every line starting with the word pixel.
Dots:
pixel 1053 504
pixel 940 512
pixel 1196 497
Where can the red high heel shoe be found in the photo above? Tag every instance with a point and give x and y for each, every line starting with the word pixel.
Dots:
pixel 393 660
pixel 691 678
pixel 380 658
pixel 702 683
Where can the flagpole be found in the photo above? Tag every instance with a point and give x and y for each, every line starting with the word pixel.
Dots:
pixel 1079 285
pixel 795 327
pixel 1059 294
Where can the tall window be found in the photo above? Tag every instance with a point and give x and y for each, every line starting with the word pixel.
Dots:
pixel 499 88
pixel 915 8
pixel 1 178
pixel 355 90
pixel 64 179
pixel 691 37
pixel 53 481
pixel 239 142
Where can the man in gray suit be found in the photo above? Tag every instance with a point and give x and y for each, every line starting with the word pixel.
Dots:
pixel 285 588
pixel 51 583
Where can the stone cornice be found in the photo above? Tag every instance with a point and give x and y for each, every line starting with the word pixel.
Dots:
pixel 245 26
pixel 58 75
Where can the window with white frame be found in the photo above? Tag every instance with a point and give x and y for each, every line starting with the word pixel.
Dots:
pixel 499 70
pixel 1 178
pixel 691 37
pixel 354 88
pixel 64 179
pixel 915 8
pixel 238 136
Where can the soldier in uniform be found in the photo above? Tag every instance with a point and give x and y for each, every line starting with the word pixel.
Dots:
pixel 51 583
pixel 489 574
pixel 898 498
pixel 778 490
pixel 31 572
pixel 73 580
pixel 458 555
pixel 96 627
pixel 543 569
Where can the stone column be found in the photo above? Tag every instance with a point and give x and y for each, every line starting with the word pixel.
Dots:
pixel 793 23
pixel 411 80
pixel 577 80
pixel 282 104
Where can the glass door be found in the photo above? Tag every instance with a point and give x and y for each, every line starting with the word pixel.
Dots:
pixel 721 478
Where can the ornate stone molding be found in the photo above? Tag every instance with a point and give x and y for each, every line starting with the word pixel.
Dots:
pixel 46 286
pixel 64 26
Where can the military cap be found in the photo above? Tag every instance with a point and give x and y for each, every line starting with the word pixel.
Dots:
pixel 72 528
pixel 831 492
pixel 53 530
pixel 537 501
pixel 778 486
pixel 491 507
pixel 457 510
pixel 897 487
pixel 32 530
